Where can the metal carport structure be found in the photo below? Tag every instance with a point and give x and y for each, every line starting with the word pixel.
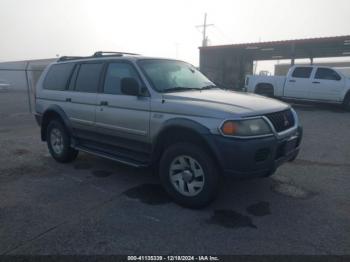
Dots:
pixel 227 65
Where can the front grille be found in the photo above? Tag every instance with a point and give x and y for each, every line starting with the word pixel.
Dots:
pixel 282 120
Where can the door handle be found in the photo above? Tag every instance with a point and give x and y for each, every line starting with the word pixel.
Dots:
pixel 68 99
pixel 292 81
pixel 315 82
pixel 104 103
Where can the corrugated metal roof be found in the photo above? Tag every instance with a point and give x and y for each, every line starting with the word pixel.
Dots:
pixel 23 64
pixel 283 42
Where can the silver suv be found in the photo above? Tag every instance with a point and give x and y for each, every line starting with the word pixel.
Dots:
pixel 143 111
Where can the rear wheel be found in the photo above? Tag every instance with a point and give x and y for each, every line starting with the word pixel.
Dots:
pixel 189 175
pixel 346 102
pixel 58 142
pixel 265 90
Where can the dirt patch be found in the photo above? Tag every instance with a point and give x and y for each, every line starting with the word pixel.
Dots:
pixel 82 166
pixel 151 194
pixel 286 187
pixel 4 130
pixel 10 174
pixel 291 191
pixel 230 219
pixel 21 152
pixel 102 173
pixel 260 209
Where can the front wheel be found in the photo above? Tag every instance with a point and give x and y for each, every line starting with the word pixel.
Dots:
pixel 58 142
pixel 189 175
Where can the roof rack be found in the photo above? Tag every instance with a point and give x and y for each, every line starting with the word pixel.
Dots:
pixel 67 58
pixel 109 53
pixel 96 54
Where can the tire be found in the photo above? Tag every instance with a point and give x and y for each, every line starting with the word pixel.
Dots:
pixel 58 142
pixel 346 102
pixel 196 169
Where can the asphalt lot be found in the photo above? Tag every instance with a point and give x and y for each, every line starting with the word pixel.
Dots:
pixel 96 206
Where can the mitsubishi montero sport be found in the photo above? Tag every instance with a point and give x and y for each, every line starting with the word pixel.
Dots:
pixel 143 111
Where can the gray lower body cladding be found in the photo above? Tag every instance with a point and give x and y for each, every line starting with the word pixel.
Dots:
pixel 239 158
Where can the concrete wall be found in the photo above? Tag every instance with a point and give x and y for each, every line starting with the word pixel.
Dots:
pixel 225 68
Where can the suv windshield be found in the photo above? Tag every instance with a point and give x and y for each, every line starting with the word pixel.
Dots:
pixel 174 76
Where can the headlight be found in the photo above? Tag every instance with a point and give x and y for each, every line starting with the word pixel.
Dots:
pixel 248 127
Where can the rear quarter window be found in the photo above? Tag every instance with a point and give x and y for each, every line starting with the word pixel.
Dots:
pixel 58 76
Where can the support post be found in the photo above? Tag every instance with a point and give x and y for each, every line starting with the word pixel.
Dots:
pixel 29 87
pixel 293 54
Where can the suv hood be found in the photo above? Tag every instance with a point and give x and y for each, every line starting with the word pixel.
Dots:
pixel 228 101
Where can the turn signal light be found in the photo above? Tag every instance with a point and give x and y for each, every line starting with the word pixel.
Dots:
pixel 229 128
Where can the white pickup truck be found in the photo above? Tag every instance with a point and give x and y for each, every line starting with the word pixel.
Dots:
pixel 310 83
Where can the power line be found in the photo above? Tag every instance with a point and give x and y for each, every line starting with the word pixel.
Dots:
pixel 227 37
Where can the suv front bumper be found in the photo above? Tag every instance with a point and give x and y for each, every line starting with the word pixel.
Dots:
pixel 259 157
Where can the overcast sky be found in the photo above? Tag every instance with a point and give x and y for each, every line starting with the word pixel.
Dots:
pixel 33 29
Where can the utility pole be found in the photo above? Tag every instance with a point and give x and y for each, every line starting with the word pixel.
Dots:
pixel 204 26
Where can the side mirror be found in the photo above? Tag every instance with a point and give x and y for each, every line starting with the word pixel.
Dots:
pixel 130 86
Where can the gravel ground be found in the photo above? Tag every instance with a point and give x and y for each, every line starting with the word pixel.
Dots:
pixel 96 206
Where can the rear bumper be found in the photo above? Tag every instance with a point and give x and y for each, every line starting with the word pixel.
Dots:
pixel 253 157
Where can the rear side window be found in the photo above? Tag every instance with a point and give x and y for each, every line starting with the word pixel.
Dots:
pixel 57 77
pixel 302 72
pixel 88 78
pixel 327 74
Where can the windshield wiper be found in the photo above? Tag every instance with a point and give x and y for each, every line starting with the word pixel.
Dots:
pixel 182 88
pixel 179 88
pixel 208 87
